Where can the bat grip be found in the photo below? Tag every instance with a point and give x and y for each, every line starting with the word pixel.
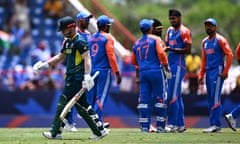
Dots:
pixel 95 74
pixel 65 121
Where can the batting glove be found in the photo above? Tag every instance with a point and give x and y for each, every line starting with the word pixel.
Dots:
pixel 40 66
pixel 167 72
pixel 88 82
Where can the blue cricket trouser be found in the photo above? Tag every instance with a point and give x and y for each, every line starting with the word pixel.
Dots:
pixel 152 94
pixel 214 85
pixel 69 117
pixel 236 112
pixel 100 92
pixel 175 102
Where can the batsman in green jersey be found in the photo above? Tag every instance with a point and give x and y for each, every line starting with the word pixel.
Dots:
pixel 78 66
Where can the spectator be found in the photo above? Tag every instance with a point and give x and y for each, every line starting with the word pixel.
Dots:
pixel 53 9
pixel 41 53
pixel 20 14
pixel 26 46
pixel 24 78
pixel 17 32
pixel 236 90
pixel 193 62
pixel 57 76
pixel 47 83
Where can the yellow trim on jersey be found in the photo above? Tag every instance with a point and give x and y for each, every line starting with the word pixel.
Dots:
pixel 78 58
pixel 74 36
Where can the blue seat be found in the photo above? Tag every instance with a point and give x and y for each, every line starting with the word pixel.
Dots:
pixel 36 35
pixel 2 17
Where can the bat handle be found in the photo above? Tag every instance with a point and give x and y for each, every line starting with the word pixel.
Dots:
pixel 65 121
pixel 95 74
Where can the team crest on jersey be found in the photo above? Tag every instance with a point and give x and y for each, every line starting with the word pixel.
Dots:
pixel 68 51
pixel 72 45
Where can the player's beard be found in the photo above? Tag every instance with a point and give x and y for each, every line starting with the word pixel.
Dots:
pixel 176 25
pixel 68 35
pixel 210 32
pixel 85 26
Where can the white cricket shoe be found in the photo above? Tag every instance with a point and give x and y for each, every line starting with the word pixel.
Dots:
pixel 70 127
pixel 152 129
pixel 232 123
pixel 48 135
pixel 212 129
pixel 161 130
pixel 104 133
pixel 106 125
pixel 181 129
pixel 171 129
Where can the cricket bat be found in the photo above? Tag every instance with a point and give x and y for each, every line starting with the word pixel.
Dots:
pixel 72 102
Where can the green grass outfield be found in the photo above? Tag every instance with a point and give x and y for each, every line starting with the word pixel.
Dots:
pixel 119 136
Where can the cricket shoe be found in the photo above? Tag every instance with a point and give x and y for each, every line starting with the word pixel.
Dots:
pixel 171 129
pixel 48 135
pixel 104 133
pixel 181 129
pixel 152 129
pixel 145 130
pixel 161 130
pixel 232 123
pixel 106 125
pixel 70 127
pixel 212 129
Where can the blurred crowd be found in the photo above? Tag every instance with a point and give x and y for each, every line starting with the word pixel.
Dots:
pixel 28 34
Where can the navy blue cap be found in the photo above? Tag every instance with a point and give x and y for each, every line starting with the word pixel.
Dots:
pixel 104 20
pixel 211 21
pixel 83 15
pixel 145 24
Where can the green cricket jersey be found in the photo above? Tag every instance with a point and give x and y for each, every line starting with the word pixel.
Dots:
pixel 73 48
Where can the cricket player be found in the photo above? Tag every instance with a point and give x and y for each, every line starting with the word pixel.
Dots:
pixel 82 20
pixel 214 49
pixel 157 28
pixel 232 116
pixel 101 46
pixel 75 52
pixel 149 56
pixel 83 23
pixel 179 41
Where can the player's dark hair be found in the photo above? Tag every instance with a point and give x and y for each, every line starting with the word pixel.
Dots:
pixel 174 12
pixel 156 23
pixel 100 27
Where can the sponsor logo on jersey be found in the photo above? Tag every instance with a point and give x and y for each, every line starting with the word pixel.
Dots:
pixel 210 51
pixel 68 51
